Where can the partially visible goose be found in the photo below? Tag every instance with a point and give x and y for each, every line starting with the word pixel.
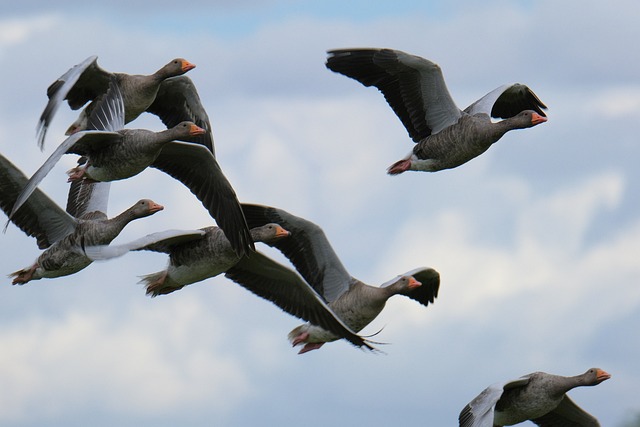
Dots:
pixel 538 397
pixel 196 255
pixel 445 136
pixel 87 81
pixel 353 301
pixel 64 237
pixel 116 155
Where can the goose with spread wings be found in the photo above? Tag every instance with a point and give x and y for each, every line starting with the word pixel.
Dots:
pixel 63 236
pixel 353 301
pixel 445 137
pixel 166 93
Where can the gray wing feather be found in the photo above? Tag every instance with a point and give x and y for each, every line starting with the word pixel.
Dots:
pixel 163 239
pixel 567 414
pixel 177 101
pixel 86 195
pixel 507 101
pixel 194 166
pixel 46 167
pixel 307 248
pixel 39 216
pixel 108 114
pixel 440 110
pixel 479 412
pixel 280 285
pixel 413 87
pixel 58 91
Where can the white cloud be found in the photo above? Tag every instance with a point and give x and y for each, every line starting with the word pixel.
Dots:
pixel 620 102
pixel 153 359
pixel 19 30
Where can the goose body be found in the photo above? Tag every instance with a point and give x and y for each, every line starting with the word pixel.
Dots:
pixel 63 236
pixel 539 397
pixel 445 136
pixel 194 255
pixel 353 301
pixel 126 153
pixel 67 256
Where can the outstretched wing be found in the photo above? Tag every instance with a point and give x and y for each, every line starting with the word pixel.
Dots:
pixel 178 101
pixel 507 101
pixel 280 285
pixel 480 411
pixel 567 414
pixel 78 85
pixel 307 248
pixel 414 87
pixel 161 241
pixel 194 166
pixel 39 216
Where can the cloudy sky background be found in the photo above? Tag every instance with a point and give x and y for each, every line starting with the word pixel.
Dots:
pixel 537 241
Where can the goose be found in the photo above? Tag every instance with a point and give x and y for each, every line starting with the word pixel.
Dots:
pixel 445 136
pixel 63 236
pixel 166 93
pixel 112 155
pixel 538 397
pixel 196 255
pixel 353 301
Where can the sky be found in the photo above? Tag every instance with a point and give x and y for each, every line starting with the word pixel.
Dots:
pixel 537 241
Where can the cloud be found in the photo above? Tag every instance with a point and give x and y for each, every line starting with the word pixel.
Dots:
pixel 154 360
pixel 19 30
pixel 535 239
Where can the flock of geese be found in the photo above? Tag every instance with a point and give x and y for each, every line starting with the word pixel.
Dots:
pixel 318 289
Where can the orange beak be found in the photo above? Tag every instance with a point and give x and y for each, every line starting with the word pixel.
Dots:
pixel 281 232
pixel 154 207
pixel 186 66
pixel 602 375
pixel 536 119
pixel 196 130
pixel 413 283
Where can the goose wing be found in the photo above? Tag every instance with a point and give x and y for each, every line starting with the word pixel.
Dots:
pixel 194 166
pixel 178 101
pixel 39 216
pixel 507 101
pixel 307 248
pixel 414 87
pixel 280 285
pixel 80 84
